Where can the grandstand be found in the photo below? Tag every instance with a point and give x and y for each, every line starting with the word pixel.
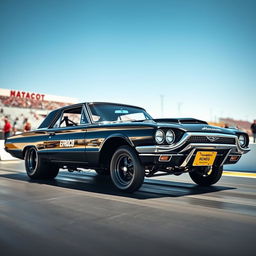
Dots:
pixel 21 105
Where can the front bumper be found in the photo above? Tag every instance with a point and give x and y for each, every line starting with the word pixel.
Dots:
pixel 186 160
pixel 181 154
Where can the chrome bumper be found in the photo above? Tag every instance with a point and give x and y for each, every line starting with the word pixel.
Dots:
pixel 233 148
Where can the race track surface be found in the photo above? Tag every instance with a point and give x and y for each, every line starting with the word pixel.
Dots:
pixel 83 214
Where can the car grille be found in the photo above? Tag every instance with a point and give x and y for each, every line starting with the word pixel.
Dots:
pixel 204 139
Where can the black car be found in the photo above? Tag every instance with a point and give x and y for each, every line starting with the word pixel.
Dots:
pixel 127 143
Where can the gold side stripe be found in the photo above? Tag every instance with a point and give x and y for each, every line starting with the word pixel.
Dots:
pixel 240 174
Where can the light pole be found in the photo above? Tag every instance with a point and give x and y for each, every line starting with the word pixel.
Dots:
pixel 162 105
pixel 179 107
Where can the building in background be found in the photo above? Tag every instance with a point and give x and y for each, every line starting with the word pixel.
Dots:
pixel 20 106
pixel 240 124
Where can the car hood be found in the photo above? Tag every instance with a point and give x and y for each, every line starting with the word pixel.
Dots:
pixel 193 126
pixel 204 128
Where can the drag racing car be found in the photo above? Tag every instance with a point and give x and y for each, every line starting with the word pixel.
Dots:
pixel 126 143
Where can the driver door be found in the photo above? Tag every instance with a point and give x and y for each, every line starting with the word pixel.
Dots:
pixel 66 141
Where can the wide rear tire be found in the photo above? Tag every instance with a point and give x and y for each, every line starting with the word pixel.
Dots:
pixel 126 170
pixel 204 176
pixel 37 168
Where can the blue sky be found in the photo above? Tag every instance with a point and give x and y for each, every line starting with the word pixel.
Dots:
pixel 201 55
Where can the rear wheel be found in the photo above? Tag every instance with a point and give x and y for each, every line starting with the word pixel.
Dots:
pixel 126 170
pixel 206 176
pixel 37 168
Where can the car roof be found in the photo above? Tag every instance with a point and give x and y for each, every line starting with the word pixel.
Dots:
pixel 98 103
pixel 112 103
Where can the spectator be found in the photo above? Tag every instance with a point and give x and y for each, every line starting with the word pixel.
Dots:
pixel 253 128
pixel 14 127
pixel 7 128
pixel 27 125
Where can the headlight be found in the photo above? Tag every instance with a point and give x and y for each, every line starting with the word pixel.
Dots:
pixel 159 136
pixel 170 136
pixel 242 140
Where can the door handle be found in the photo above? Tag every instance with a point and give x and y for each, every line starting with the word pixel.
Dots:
pixel 51 133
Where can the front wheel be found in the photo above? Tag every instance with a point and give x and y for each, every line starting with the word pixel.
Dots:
pixel 37 168
pixel 102 172
pixel 206 176
pixel 126 170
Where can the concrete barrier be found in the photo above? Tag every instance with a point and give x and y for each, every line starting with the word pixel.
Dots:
pixel 3 154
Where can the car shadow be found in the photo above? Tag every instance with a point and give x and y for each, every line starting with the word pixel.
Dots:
pixel 91 182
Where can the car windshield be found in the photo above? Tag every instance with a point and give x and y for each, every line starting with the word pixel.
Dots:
pixel 105 112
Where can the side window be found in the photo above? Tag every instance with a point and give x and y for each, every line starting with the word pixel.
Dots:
pixel 71 117
pixel 57 124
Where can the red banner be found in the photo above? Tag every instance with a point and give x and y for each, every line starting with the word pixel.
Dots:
pixel 27 95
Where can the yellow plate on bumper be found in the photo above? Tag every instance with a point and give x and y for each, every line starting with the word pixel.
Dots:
pixel 204 158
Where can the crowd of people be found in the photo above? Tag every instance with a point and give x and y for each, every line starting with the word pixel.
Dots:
pixel 30 103
pixel 16 120
pixel 19 114
pixel 11 129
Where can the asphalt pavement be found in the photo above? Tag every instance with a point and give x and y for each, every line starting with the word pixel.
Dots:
pixel 83 214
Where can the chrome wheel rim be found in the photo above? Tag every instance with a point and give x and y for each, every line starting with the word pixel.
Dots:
pixel 124 170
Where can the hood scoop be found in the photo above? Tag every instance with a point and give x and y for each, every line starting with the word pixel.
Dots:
pixel 180 120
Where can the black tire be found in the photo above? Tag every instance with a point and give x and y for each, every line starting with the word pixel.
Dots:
pixel 205 176
pixel 102 172
pixel 126 170
pixel 37 168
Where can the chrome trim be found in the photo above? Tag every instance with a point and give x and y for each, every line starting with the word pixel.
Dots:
pixel 162 148
pixel 209 146
pixel 165 148
pixel 212 138
pixel 233 147
pixel 185 162
pixel 161 154
pixel 86 113
pixel 149 154
pixel 89 113
pixel 225 158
